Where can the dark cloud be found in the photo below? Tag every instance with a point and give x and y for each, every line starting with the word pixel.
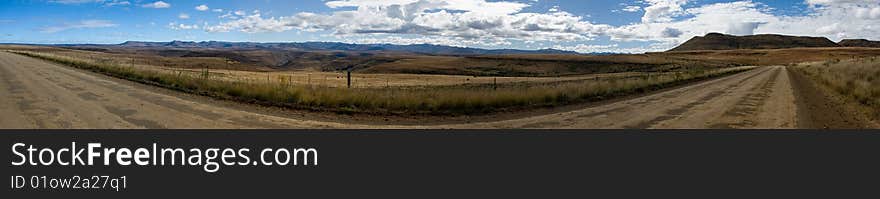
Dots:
pixel 671 33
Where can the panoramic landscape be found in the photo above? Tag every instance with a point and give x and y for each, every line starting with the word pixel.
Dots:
pixel 762 72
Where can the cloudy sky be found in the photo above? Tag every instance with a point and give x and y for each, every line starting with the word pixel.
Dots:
pixel 581 25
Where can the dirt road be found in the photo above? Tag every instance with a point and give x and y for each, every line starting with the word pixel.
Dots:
pixel 36 94
pixel 764 98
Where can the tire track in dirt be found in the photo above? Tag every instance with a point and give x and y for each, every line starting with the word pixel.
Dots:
pixel 742 114
pixel 34 109
pixel 681 111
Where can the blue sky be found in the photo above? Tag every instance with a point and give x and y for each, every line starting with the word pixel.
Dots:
pixel 580 25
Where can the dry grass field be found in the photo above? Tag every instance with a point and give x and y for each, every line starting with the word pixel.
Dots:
pixel 534 65
pixel 375 93
pixel 766 57
pixel 123 58
pixel 565 65
pixel 857 79
pixel 218 69
pixel 553 65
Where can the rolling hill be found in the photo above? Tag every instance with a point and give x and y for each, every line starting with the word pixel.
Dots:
pixel 336 46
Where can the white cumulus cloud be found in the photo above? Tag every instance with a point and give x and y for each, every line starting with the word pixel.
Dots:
pixel 472 20
pixel 202 7
pixel 78 25
pixel 835 19
pixel 664 24
pixel 662 10
pixel 180 26
pixel 632 8
pixel 103 2
pixel 158 4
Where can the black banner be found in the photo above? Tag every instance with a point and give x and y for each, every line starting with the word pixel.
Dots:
pixel 450 164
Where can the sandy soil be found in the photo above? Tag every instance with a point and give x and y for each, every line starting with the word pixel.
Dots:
pixel 37 94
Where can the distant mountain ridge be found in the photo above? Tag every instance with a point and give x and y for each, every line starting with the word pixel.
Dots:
pixel 337 46
pixel 718 41
pixel 860 43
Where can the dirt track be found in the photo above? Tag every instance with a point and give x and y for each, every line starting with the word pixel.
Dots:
pixel 761 98
pixel 764 98
pixel 36 94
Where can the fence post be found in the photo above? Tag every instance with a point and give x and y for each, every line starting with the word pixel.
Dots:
pixel 349 78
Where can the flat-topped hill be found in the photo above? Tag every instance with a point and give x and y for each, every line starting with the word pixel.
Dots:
pixel 860 43
pixel 717 41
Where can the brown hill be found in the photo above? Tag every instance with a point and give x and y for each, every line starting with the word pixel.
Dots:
pixel 860 43
pixel 717 41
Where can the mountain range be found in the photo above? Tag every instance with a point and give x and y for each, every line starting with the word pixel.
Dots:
pixel 337 46
pixel 859 43
pixel 718 41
